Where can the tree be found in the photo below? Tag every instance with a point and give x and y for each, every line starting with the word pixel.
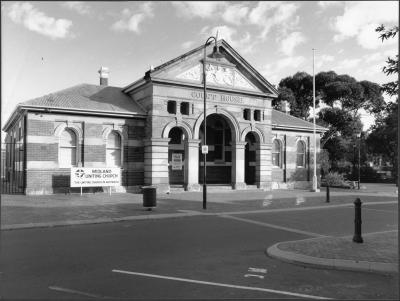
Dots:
pixel 392 64
pixel 300 98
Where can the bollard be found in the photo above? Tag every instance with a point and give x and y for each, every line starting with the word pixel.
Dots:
pixel 357 221
pixel 327 194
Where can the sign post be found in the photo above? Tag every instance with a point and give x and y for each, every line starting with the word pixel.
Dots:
pixel 92 177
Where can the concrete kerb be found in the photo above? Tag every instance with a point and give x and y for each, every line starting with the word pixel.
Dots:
pixel 182 213
pixel 330 263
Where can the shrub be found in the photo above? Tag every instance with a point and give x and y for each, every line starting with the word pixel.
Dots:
pixel 335 179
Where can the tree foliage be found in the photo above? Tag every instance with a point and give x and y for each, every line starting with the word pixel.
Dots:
pixel 392 64
pixel 332 89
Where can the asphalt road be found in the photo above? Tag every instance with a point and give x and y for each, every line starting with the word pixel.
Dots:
pixel 190 257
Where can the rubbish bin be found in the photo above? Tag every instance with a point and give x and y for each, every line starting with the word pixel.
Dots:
pixel 149 196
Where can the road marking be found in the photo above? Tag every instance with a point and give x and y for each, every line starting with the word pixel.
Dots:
pixel 300 200
pixel 252 275
pixel 258 270
pixel 221 284
pixel 71 291
pixel 273 226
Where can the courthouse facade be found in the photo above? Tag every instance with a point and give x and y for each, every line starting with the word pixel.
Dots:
pixel 153 130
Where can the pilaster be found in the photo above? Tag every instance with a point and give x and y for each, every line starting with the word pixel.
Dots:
pixel 192 165
pixel 156 163
pixel 238 168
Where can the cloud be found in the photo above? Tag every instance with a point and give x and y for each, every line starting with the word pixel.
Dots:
pixel 132 20
pixel 360 19
pixel 202 9
pixel 274 14
pixel 293 62
pixel 188 44
pixel 348 63
pixel 243 43
pixel 329 4
pixel 24 13
pixel 321 60
pixel 288 44
pixel 78 6
pixel 235 14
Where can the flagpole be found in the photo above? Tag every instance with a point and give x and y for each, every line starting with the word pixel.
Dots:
pixel 315 180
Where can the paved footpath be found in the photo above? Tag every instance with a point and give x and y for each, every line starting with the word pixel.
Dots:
pixel 19 212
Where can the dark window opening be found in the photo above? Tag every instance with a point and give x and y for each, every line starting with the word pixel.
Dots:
pixel 171 107
pixel 185 108
pixel 257 115
pixel 246 114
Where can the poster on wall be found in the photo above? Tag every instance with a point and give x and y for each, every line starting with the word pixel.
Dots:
pixel 93 177
pixel 176 162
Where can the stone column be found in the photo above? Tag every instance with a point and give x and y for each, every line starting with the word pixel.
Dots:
pixel 192 165
pixel 156 163
pixel 238 165
pixel 263 166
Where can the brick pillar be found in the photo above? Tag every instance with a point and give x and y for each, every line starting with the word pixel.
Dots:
pixel 192 165
pixel 156 163
pixel 238 165
pixel 263 166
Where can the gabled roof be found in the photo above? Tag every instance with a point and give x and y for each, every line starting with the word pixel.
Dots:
pixel 84 98
pixel 281 120
pixel 166 72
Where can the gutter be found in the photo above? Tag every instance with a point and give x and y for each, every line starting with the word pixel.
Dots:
pixel 285 127
pixel 69 110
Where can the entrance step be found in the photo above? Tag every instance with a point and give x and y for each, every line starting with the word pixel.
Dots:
pixel 176 188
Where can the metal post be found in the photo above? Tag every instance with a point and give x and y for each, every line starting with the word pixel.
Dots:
pixel 205 129
pixel 359 160
pixel 357 221
pixel 205 118
pixel 315 183
pixel 327 193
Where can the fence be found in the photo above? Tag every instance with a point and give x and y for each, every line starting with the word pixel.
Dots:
pixel 12 168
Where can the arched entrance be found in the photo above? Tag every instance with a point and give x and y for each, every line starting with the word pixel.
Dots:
pixel 176 156
pixel 219 157
pixel 250 159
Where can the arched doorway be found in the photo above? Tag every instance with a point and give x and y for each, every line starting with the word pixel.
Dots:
pixel 176 156
pixel 219 157
pixel 250 159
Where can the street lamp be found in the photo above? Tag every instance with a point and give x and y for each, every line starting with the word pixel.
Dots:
pixel 216 54
pixel 359 158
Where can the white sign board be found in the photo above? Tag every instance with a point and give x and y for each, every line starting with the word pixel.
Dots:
pixel 204 149
pixel 176 162
pixel 92 177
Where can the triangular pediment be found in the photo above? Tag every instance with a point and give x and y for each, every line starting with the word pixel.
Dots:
pixel 218 75
pixel 229 71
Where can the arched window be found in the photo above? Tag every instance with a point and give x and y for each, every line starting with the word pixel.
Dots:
pixel 301 154
pixel 276 153
pixel 68 149
pixel 113 150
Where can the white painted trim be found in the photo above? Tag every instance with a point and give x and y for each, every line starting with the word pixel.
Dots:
pixel 41 165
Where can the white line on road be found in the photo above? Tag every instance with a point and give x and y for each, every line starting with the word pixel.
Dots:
pixel 71 291
pixel 273 226
pixel 258 270
pixel 221 284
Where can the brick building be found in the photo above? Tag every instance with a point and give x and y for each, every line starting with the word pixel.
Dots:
pixel 153 129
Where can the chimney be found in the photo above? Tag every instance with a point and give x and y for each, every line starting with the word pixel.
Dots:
pixel 285 107
pixel 103 76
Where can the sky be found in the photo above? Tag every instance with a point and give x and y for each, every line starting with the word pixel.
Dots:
pixel 49 46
